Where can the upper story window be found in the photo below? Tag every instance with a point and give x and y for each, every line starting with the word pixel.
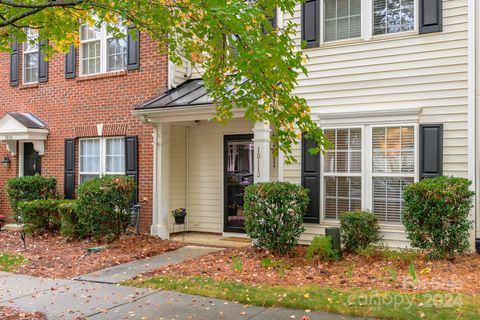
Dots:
pixel 30 57
pixel 100 51
pixel 342 19
pixel 392 16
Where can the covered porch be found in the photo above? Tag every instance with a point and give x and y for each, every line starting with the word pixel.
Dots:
pixel 201 165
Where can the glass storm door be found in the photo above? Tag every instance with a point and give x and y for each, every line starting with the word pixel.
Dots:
pixel 32 162
pixel 238 173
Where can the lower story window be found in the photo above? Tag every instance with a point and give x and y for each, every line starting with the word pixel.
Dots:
pixel 101 156
pixel 380 174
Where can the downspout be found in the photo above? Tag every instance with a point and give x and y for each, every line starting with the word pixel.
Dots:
pixel 171 75
pixel 153 124
pixel 471 111
pixel 187 175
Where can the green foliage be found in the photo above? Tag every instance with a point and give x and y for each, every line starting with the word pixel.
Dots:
pixel 403 255
pixel 10 262
pixel 237 264
pixel 68 218
pixel 412 271
pixel 103 207
pixel 358 230
pixel 321 249
pixel 389 254
pixel 355 302
pixel 29 188
pixel 40 216
pixel 392 273
pixel 349 272
pixel 278 265
pixel 232 41
pixel 274 214
pixel 436 215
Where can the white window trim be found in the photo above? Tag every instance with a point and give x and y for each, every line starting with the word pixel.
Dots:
pixel 324 174
pixel 322 28
pixel 103 157
pixel 24 65
pixel 367 165
pixel 367 18
pixel 104 37
pixel 416 12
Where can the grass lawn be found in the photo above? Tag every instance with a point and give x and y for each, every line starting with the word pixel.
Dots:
pixel 10 262
pixel 354 302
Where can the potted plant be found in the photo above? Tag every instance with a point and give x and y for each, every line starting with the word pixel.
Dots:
pixel 179 215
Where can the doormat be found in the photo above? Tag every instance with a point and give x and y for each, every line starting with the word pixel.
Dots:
pixel 237 239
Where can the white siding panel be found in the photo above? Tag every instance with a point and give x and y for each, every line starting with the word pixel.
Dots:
pixel 425 71
pixel 178 161
pixel 205 183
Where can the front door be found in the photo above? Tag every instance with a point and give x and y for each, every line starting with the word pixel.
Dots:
pixel 238 173
pixel 32 162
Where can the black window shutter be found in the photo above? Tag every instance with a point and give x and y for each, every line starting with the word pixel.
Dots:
pixel 311 180
pixel 273 18
pixel 133 50
pixel 70 63
pixel 311 23
pixel 42 64
pixel 14 64
pixel 431 150
pixel 131 160
pixel 69 178
pixel 431 16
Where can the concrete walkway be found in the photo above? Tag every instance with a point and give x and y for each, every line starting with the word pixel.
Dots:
pixel 129 270
pixel 70 299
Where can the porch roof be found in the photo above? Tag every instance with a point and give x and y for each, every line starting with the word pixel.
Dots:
pixel 190 93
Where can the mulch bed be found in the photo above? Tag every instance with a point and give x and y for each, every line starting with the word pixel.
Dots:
pixel 54 257
pixel 353 271
pixel 7 313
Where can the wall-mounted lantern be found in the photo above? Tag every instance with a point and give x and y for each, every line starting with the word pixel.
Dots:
pixel 5 162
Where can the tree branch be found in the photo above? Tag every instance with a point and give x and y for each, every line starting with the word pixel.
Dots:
pixel 43 5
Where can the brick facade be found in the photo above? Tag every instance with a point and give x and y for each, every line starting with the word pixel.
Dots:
pixel 72 108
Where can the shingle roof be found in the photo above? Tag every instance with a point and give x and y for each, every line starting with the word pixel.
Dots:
pixel 28 120
pixel 189 93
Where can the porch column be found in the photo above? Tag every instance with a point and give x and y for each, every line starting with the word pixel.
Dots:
pixel 261 142
pixel 161 190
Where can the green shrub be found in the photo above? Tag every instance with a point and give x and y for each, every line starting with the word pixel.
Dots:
pixel 40 216
pixel 103 207
pixel 274 214
pixel 436 215
pixel 358 230
pixel 321 249
pixel 29 188
pixel 68 218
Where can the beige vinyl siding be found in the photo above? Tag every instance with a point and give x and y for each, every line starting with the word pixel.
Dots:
pixel 390 73
pixel 205 177
pixel 178 163
pixel 181 73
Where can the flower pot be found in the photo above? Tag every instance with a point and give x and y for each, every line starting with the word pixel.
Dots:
pixel 179 219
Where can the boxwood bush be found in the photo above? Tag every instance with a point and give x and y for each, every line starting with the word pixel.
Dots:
pixel 321 249
pixel 29 188
pixel 103 207
pixel 40 216
pixel 68 218
pixel 436 215
pixel 274 214
pixel 358 230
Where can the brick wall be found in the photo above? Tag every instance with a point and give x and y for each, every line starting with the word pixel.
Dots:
pixel 72 108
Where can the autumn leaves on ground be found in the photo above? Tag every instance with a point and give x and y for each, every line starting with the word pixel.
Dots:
pixel 55 257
